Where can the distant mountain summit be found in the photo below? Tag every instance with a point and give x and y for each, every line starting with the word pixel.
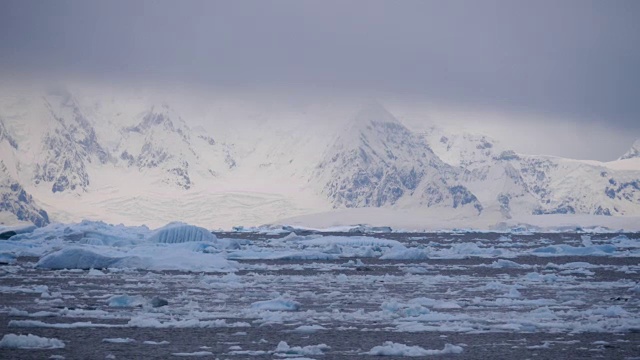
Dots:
pixel 634 152
pixel 376 161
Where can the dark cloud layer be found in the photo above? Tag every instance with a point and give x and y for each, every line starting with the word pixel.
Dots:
pixel 574 58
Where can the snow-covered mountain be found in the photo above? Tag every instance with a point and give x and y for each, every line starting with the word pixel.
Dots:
pixel 160 139
pixel 536 184
pixel 17 203
pixel 376 161
pixel 634 152
pixel 142 161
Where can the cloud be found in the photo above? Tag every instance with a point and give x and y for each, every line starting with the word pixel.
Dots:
pixel 574 59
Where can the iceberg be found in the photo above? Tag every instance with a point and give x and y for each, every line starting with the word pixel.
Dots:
pixel 180 233
pixel 76 258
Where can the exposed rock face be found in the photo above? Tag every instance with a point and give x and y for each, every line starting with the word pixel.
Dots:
pixel 14 199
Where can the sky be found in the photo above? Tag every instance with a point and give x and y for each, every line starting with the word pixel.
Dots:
pixel 550 76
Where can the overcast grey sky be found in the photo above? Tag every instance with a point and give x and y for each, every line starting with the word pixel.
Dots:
pixel 574 59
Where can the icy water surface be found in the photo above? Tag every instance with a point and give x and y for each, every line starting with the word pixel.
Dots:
pixel 463 296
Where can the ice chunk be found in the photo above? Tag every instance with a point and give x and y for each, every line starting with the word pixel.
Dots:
pixel 150 258
pixel 150 342
pixel 308 329
pixel 75 258
pixel 13 341
pixel 119 340
pixel 8 231
pixel 151 322
pixel 506 264
pixel 352 241
pixel 7 259
pixel 124 301
pixel 402 253
pixel 95 272
pixel 611 311
pixel 390 348
pixel 158 302
pixel 197 353
pixel 75 325
pixel 180 233
pixel 579 251
pixel 284 348
pixel 279 304
pixel 623 241
pixel 279 255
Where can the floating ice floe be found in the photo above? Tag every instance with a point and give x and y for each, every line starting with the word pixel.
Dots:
pixel 390 348
pixel 309 350
pixel 193 354
pixel 623 241
pixel 564 250
pixel 122 301
pixel 402 253
pixel 279 304
pixel 279 255
pixel 150 342
pixel 7 259
pixel 308 329
pixel 152 322
pixel 119 340
pixel 149 258
pixel 351 241
pixel 13 341
pixel 507 264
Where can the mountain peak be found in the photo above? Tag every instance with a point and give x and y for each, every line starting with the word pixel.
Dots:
pixel 634 152
pixel 373 111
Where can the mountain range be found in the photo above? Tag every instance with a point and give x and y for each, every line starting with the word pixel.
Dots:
pixel 66 157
